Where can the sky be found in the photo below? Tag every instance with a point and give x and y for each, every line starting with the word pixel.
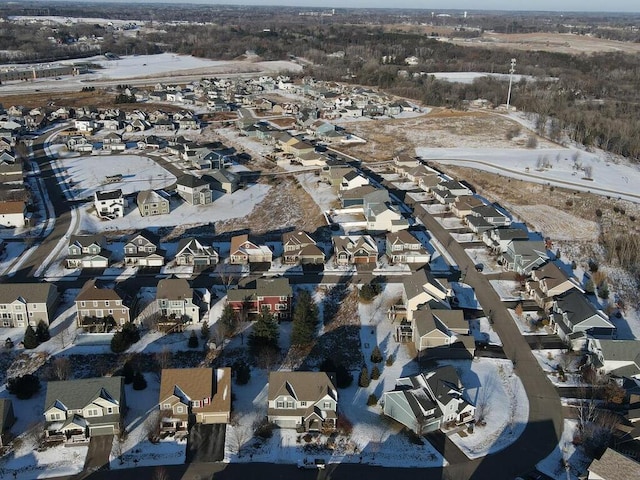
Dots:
pixel 538 5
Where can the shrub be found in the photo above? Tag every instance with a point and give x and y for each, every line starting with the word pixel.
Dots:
pixel 23 387
pixel 589 287
pixel 369 291
pixel 364 380
pixel 603 291
pixel 127 372
pixel 412 436
pixel 593 266
pixel 193 340
pixel 125 338
pixel 569 203
pixel 375 373
pixel 598 212
pixel 139 382
pixel 265 430
pixel 372 400
pixel 376 356
pixel 204 330
pixel 574 265
pixel 242 372
pixel 390 360
pixel 42 332
pixel 30 339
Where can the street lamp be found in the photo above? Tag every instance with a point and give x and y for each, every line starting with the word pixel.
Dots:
pixel 511 72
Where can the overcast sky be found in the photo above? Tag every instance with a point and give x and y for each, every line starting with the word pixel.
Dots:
pixel 555 5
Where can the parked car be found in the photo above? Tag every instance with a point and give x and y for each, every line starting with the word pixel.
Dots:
pixel 311 464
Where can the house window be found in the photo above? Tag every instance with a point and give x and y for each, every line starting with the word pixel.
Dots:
pixel 206 401
pixel 166 406
pixel 283 299
pixel 109 410
pixel 56 416
pixel 110 312
pixel 95 304
pixel 279 404
pixel 196 403
pixel 290 405
pixel 92 412
pixel 106 303
pixel 124 310
pixel 303 404
pixel 326 405
pixel 179 409
pixel 281 306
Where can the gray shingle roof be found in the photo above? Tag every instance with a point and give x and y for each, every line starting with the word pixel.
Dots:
pixel 76 394
pixel 30 292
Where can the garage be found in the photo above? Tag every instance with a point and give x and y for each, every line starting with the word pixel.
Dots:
pixel 101 430
pixel 214 418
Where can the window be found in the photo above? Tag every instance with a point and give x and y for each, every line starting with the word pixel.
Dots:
pixel 281 306
pixel 283 299
pixel 106 303
pixel 326 404
pixel 95 304
pixel 83 304
pixel 109 410
pixel 206 401
pixel 280 404
pixel 303 404
pixel 92 412
pixel 6 323
pixel 196 403
pixel 179 409
pixel 31 314
pixel 124 310
pixel 290 404
pixel 56 416
pixel 110 312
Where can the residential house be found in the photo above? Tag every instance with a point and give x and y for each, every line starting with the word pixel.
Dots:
pixel 492 215
pixel 403 247
pixel 152 203
pixel 447 191
pixel 384 217
pixel 87 251
pixel 333 174
pixel 274 294
pixel 191 396
pixel 109 204
pixel 498 238
pixel 547 282
pixel 7 419
pixel 100 308
pixel 435 328
pixel 613 465
pixel 522 256
pixel 85 124
pixel 13 213
pixel 307 401
pixel 223 180
pixel 429 401
pixel 355 250
pixel 177 301
pixel 23 304
pixel 142 250
pixel 353 179
pixel 478 224
pixel 192 252
pixel 243 251
pixel 464 205
pixel 76 410
pixel 79 144
pixel 194 190
pixel 152 142
pixel 620 358
pixel 421 288
pixel 11 169
pixel 299 247
pixel 113 142
pixel 574 316
pixel 358 196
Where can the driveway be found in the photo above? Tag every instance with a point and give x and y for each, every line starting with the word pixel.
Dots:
pixel 206 443
pixel 98 454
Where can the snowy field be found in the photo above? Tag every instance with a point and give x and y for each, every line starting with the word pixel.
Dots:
pixel 470 77
pixel 616 179
pixel 507 290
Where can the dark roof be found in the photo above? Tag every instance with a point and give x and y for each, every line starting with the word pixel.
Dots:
pixel 77 394
pixel 576 306
pixel 110 195
pixel 191 181
pixel 30 292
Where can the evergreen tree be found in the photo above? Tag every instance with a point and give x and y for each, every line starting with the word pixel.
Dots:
pixel 344 379
pixel 127 372
pixel 265 332
pixel 364 380
pixel 376 356
pixel 589 287
pixel 193 340
pixel 204 330
pixel 603 290
pixel 375 373
pixel 139 382
pixel 229 321
pixel 42 332
pixel 242 372
pixel 305 319
pixel 30 338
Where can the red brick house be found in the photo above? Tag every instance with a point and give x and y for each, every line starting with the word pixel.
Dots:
pixel 273 293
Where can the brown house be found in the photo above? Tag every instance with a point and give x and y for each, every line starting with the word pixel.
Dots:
pixel 299 247
pixel 100 309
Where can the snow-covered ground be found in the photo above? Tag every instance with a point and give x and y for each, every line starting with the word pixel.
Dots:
pixel 482 256
pixel 552 361
pixel 608 178
pixel 566 453
pixel 469 77
pixel 507 289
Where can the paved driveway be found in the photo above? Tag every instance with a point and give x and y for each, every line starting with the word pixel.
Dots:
pixel 206 443
pixel 98 454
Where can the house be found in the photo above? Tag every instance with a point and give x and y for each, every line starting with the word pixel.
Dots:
pixel 142 250
pixel 384 217
pixel 574 316
pixel 354 249
pixel 274 294
pixel 23 304
pixel 360 195
pixel 194 190
pixel 307 401
pixel 76 410
pixel 353 179
pixel 243 251
pixel 177 300
pixel 192 252
pixel 113 142
pixel 613 465
pixel 492 215
pixel 299 247
pixel 432 328
pixel 547 282
pixel 193 395
pixel 447 191
pixel 109 204
pixel 223 180
pixel 429 401
pixel 79 144
pixel 403 247
pixel 87 251
pixel 464 205
pixel 7 419
pixel 522 256
pixel 498 238
pixel 420 288
pixel 152 203
pixel 11 170
pixel 13 214
pixel 99 308
pixel 620 358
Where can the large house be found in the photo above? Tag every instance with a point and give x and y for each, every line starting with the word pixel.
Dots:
pixel 23 304
pixel 192 252
pixel 142 250
pixel 403 247
pixel 76 410
pixel 13 213
pixel 574 317
pixel 435 328
pixel 152 203
pixel 355 249
pixel 384 217
pixel 522 256
pixel 620 358
pixel 243 251
pixel 299 247
pixel 613 465
pixel 99 308
pixel 194 190
pixel 109 204
pixel 547 282
pixel 421 288
pixel 499 238
pixel 176 299
pixel 274 294
pixel 302 400
pixel 429 401
pixel 87 251
pixel 194 395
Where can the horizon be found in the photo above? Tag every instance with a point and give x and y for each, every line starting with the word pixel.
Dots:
pixel 562 6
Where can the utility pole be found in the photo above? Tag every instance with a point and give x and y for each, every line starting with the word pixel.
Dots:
pixel 511 72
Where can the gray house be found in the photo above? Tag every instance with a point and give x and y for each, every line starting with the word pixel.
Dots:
pixel 76 410
pixel 176 299
pixel 87 251
pixel 194 190
pixel 23 304
pixel 192 252
pixel 152 203
pixel 574 317
pixel 429 401
pixel 522 256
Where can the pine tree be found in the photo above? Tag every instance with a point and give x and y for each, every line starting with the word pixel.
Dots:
pixel 139 382
pixel 229 321
pixel 242 372
pixel 265 332
pixel 42 332
pixel 193 340
pixel 364 380
pixel 305 319
pixel 204 330
pixel 375 373
pixel 589 287
pixel 376 356
pixel 30 338
pixel 128 373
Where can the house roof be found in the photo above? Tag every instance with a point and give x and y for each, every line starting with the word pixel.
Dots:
pixel 297 237
pixel 414 284
pixel 620 350
pixel 174 289
pixel 576 306
pixel 91 291
pixel 11 207
pixel 109 195
pixel 551 274
pixel 149 196
pixel 353 243
pixel 191 181
pixel 76 394
pixel 425 322
pixel 30 292
pixel 487 211
pixel 510 234
pixel 615 466
pixel 309 386
pixel 193 245
pixel 402 236
pixel 86 240
pixel 198 384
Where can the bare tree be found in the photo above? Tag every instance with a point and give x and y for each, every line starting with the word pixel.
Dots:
pixel 162 361
pixel 161 473
pixel 62 368
pixel 239 434
pixel 152 426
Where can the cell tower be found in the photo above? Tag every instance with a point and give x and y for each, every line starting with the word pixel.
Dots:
pixel 511 72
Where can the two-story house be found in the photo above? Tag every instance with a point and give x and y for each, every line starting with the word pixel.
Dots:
pixel 353 179
pixel 152 203
pixel 23 304
pixel 497 239
pixel 403 247
pixel 109 204
pixel 429 401
pixel 384 217
pixel 76 410
pixel 547 282
pixel 194 395
pixel 522 256
pixel 421 288
pixel 354 249
pixel 87 251
pixel 194 253
pixel 177 300
pixel 194 190
pixel 142 250
pixel 299 247
pixel 304 400
pixel 243 251
pixel 274 294
pixel 99 309
pixel 575 317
